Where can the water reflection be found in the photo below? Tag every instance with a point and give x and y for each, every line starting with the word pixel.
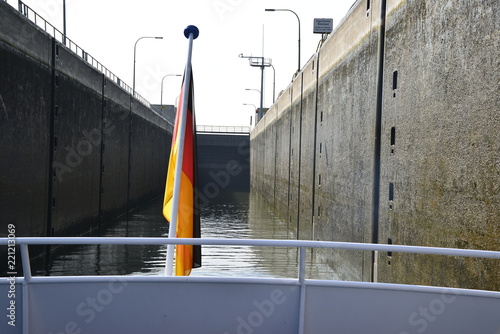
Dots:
pixel 237 215
pixel 112 259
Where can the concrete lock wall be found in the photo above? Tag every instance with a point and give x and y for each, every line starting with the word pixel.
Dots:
pixel 77 149
pixel 390 134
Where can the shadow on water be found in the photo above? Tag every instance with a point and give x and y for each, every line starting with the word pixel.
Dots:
pixel 233 215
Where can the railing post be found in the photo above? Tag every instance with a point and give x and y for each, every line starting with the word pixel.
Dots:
pixel 25 258
pixel 302 300
pixel 302 264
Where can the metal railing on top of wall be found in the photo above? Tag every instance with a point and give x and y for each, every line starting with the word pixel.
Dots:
pixel 222 129
pixel 46 26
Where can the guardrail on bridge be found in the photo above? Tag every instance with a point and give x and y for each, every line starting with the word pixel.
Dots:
pixel 223 129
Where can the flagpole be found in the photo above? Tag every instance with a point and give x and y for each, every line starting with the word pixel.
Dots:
pixel 191 33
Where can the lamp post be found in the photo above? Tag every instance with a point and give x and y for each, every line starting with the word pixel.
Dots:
pixel 64 22
pixel 288 10
pixel 245 104
pixel 168 75
pixel 274 83
pixel 135 46
pixel 252 105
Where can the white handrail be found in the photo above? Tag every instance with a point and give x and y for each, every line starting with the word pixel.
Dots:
pixel 253 242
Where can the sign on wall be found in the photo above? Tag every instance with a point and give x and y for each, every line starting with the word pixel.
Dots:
pixel 323 26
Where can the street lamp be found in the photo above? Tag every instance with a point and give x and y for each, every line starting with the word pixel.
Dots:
pixel 274 83
pixel 254 108
pixel 135 46
pixel 258 91
pixel 168 75
pixel 249 104
pixel 253 89
pixel 288 10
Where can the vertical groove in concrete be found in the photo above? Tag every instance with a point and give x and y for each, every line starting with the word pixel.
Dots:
pixel 300 152
pixel 101 157
pixel 368 259
pixel 315 148
pixel 275 162
pixel 129 155
pixel 50 179
pixel 288 217
pixel 378 131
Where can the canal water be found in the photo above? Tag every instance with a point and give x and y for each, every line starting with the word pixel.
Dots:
pixel 235 215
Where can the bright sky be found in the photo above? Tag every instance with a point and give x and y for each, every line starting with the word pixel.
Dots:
pixel 108 30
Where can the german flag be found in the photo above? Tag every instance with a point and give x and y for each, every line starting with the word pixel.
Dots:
pixel 188 219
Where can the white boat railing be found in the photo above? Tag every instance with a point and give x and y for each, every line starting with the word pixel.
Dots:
pixel 24 242
pixel 67 289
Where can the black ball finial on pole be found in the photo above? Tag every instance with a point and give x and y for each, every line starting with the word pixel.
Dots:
pixel 191 30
